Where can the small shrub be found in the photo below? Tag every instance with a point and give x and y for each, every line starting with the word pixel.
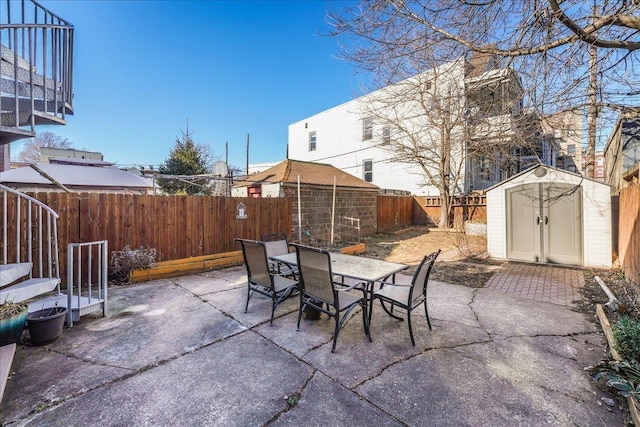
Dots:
pixel 626 338
pixel 123 262
pixel 622 375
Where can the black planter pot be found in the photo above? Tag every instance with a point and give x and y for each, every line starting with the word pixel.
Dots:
pixel 11 328
pixel 312 313
pixel 46 325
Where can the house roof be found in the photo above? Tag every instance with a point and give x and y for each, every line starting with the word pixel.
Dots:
pixel 74 175
pixel 81 162
pixel 287 172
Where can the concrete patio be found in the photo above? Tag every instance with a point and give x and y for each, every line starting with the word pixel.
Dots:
pixel 183 352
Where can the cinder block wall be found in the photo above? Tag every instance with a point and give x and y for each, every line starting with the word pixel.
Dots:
pixel 316 203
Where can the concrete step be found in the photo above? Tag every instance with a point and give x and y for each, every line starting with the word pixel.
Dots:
pixel 9 273
pixel 28 289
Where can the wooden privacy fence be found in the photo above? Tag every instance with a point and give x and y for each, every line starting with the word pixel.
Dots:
pixel 629 232
pixel 394 212
pixel 176 226
pixel 401 211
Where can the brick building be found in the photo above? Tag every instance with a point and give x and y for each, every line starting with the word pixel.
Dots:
pixel 313 184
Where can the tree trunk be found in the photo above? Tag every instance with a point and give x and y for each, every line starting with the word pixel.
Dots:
pixel 445 208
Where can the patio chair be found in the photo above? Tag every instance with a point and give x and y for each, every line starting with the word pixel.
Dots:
pixel 408 297
pixel 260 279
pixel 277 244
pixel 318 290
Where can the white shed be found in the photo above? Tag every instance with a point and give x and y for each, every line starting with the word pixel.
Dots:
pixel 549 215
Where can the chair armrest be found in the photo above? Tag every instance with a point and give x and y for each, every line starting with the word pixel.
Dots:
pixel 344 288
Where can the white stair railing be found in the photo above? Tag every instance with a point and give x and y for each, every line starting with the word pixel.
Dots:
pixel 86 289
pixel 29 234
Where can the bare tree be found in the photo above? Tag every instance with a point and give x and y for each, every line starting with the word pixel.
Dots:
pixel 31 150
pixel 555 46
pixel 422 118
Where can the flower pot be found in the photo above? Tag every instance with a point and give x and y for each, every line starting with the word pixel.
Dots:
pixel 46 325
pixel 11 328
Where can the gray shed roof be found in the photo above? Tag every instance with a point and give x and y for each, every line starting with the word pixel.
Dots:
pixel 75 175
pixel 542 166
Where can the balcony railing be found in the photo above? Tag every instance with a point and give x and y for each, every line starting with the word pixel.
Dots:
pixel 36 56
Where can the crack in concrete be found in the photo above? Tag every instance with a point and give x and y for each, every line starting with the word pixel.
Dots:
pixel 298 394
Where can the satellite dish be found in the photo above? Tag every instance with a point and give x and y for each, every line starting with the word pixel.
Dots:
pixel 220 168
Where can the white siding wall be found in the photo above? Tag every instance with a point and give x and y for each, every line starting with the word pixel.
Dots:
pixel 239 192
pixel 496 224
pixel 271 190
pixel 596 223
pixel 339 132
pixel 596 200
pixel 339 143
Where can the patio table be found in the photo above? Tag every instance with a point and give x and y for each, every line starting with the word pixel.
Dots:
pixel 367 270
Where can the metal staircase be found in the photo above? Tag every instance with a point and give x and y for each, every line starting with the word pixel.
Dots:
pixel 29 264
pixel 29 260
pixel 36 57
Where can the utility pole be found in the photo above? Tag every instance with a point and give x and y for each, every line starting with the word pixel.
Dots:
pixel 247 154
pixel 593 108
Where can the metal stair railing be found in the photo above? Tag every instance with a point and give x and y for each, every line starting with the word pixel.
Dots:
pixel 86 289
pixel 36 57
pixel 31 235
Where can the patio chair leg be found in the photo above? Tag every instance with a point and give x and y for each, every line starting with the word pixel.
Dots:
pixel 273 310
pixel 367 322
pixel 335 333
pixel 300 309
pixel 426 312
pixel 413 342
pixel 246 306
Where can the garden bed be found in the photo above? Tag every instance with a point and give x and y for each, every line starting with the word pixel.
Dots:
pixel 606 328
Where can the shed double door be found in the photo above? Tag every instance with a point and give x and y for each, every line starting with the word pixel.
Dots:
pixel 544 223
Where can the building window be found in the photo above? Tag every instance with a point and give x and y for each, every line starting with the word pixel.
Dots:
pixel 571 150
pixel 367 129
pixel 367 167
pixel 599 161
pixel 386 135
pixel 312 141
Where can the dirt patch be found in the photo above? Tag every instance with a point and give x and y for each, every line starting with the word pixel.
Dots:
pixel 625 291
pixel 463 259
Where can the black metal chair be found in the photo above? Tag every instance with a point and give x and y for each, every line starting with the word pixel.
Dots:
pixel 408 297
pixel 318 290
pixel 260 279
pixel 278 244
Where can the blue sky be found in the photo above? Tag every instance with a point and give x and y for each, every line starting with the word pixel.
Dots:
pixel 232 68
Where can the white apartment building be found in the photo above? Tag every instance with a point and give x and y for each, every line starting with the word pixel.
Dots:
pixel 472 101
